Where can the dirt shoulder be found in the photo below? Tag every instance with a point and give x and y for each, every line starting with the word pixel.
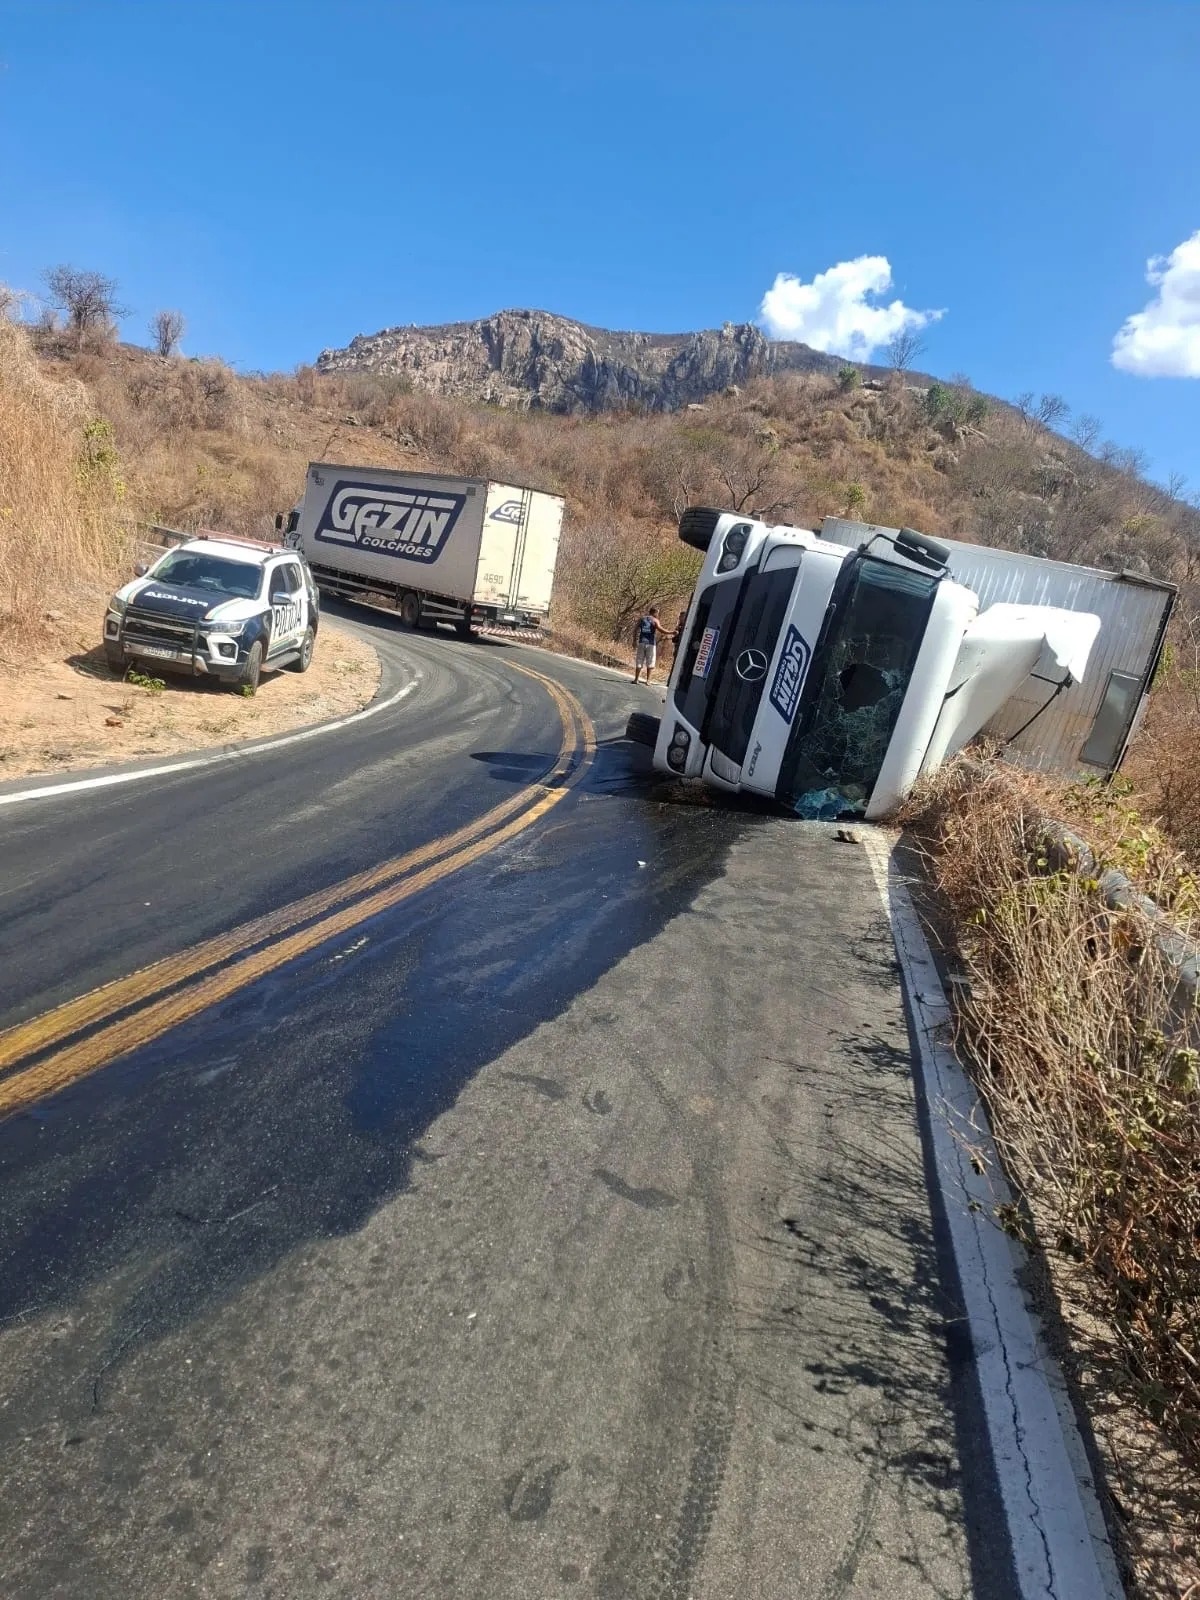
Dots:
pixel 64 710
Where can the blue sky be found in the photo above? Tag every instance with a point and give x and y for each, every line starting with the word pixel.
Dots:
pixel 292 172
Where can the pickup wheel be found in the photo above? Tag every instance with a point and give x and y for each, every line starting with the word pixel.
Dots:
pixel 115 657
pixel 642 728
pixel 410 609
pixel 304 660
pixel 248 677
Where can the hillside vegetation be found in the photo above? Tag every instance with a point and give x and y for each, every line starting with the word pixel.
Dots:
pixel 99 439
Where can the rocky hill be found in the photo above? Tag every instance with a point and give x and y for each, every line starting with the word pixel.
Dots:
pixel 536 360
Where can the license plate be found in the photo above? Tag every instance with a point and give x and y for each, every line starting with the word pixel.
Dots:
pixel 708 643
pixel 160 652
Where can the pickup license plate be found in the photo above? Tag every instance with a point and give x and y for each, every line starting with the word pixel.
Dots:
pixel 160 652
pixel 708 643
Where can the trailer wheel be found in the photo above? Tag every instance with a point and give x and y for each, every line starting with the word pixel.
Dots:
pixel 642 728
pixel 410 609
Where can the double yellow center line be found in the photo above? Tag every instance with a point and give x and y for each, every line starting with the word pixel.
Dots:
pixel 53 1050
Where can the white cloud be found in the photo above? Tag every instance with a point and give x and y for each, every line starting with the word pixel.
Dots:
pixel 837 310
pixel 1163 341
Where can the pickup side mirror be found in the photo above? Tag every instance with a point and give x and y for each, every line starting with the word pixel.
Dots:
pixel 140 569
pixel 280 598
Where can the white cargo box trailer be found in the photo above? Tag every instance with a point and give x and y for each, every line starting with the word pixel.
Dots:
pixel 442 549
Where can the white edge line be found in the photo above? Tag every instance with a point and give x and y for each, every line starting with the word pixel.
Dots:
pixel 1056 1528
pixel 214 758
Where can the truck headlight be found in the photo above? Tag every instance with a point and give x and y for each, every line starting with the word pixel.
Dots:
pixel 116 606
pixel 231 630
pixel 677 750
pixel 733 546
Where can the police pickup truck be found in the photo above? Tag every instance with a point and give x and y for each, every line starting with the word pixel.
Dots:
pixel 228 608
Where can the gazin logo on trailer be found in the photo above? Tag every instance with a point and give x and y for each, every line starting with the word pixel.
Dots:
pixel 510 511
pixel 790 675
pixel 410 523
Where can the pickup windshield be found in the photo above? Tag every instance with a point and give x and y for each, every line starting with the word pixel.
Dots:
pixel 193 570
pixel 855 690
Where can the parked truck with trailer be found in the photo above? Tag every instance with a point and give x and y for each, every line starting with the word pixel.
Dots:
pixel 464 551
pixel 829 670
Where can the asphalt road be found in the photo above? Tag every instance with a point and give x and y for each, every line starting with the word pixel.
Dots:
pixel 557 1228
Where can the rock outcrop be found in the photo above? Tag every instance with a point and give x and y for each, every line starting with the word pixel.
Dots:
pixel 536 359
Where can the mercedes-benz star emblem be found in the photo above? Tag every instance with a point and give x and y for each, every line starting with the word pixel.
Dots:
pixel 750 666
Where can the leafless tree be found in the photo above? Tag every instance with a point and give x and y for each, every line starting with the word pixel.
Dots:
pixel 1025 404
pixel 903 348
pixel 1051 410
pixel 88 299
pixel 1087 431
pixel 166 330
pixel 12 302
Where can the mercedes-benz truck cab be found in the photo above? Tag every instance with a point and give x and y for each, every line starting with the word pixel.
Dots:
pixel 817 674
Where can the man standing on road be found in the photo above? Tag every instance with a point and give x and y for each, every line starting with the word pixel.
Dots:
pixel 646 643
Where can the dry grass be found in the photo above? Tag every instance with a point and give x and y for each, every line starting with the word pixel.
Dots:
pixel 61 530
pixel 201 446
pixel 1084 1048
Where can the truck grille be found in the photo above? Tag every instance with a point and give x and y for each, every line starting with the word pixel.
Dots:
pixel 150 628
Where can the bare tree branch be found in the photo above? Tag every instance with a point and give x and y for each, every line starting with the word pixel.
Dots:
pixel 166 330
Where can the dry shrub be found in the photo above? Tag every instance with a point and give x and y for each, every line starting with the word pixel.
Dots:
pixel 609 574
pixel 1082 1044
pixel 1163 764
pixel 60 493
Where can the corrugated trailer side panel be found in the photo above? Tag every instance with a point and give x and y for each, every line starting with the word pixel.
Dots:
pixel 1096 716
pixel 399 527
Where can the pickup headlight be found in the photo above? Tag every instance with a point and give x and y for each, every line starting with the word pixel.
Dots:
pixel 117 606
pixel 231 630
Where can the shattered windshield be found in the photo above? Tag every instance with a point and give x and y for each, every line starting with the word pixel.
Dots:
pixel 841 734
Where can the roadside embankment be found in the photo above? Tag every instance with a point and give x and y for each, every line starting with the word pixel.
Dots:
pixel 61 709
pixel 1075 1016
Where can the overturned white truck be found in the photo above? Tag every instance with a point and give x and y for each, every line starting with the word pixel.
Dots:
pixel 829 670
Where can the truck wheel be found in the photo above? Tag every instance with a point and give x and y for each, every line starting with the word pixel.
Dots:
pixel 115 657
pixel 464 630
pixel 304 660
pixel 697 526
pixel 248 677
pixel 642 728
pixel 410 609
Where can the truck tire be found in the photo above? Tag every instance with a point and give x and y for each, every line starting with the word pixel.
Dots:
pixel 248 677
pixel 698 524
pixel 115 657
pixel 642 728
pixel 464 629
pixel 410 609
pixel 304 660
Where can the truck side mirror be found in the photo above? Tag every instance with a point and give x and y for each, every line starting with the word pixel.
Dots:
pixel 140 569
